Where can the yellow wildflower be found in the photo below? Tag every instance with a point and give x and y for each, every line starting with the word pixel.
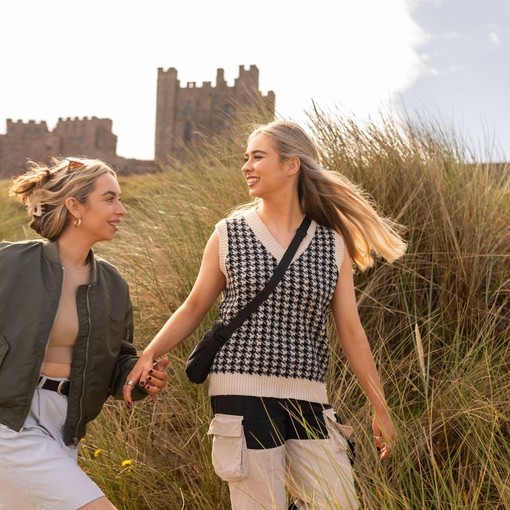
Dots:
pixel 127 462
pixel 97 453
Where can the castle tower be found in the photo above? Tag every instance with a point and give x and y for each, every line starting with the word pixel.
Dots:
pixel 185 113
pixel 166 98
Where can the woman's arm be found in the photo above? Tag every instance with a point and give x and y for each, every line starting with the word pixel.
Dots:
pixel 183 322
pixel 355 344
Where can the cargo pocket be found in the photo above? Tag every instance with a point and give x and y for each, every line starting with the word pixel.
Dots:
pixel 229 457
pixel 341 435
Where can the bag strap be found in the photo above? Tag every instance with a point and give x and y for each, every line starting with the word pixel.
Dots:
pixel 271 284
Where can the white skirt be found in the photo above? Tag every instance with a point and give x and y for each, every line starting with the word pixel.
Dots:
pixel 37 470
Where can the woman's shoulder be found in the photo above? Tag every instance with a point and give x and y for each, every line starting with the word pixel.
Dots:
pixel 108 276
pixel 107 266
pixel 336 238
pixel 20 254
pixel 22 244
pixel 330 231
pixel 17 247
pixel 239 217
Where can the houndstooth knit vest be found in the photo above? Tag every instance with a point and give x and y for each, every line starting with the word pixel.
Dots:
pixel 282 349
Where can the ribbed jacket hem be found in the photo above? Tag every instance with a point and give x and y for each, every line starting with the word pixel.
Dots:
pixel 267 386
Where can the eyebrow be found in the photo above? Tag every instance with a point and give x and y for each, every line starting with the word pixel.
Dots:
pixel 256 151
pixel 111 193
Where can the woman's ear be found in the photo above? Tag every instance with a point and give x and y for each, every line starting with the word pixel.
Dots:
pixel 73 206
pixel 294 165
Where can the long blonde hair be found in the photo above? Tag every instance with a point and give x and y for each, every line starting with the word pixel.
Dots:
pixel 45 188
pixel 330 199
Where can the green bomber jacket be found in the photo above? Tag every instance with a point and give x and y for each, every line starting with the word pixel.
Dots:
pixel 31 278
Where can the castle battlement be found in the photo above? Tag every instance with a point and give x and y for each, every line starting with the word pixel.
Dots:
pixel 25 122
pixel 24 128
pixel 170 70
pixel 82 122
pixel 78 119
pixel 248 70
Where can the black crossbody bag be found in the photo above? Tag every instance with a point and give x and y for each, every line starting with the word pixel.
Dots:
pixel 201 359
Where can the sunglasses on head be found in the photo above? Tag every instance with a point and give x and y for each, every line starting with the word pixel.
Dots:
pixel 73 165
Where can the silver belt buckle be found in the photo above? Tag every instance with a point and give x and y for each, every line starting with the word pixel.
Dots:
pixel 60 387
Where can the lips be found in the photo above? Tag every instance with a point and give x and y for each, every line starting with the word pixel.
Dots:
pixel 114 224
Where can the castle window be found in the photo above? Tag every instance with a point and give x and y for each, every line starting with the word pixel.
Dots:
pixel 189 108
pixel 187 133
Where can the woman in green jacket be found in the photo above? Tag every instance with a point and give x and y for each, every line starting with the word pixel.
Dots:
pixel 65 334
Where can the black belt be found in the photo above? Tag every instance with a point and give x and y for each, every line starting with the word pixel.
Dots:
pixel 61 387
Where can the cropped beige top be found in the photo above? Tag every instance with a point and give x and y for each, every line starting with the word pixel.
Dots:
pixel 59 353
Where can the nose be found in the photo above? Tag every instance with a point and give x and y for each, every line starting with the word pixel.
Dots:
pixel 246 167
pixel 121 209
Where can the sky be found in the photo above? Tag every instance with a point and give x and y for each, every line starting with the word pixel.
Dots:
pixel 445 59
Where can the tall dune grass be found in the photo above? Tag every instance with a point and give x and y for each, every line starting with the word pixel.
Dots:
pixel 438 321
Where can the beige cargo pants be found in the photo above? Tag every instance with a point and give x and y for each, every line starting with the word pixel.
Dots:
pixel 316 472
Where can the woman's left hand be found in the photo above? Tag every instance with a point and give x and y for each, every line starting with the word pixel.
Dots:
pixel 156 380
pixel 384 434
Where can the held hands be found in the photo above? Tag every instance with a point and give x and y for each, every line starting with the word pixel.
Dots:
pixel 148 375
pixel 384 434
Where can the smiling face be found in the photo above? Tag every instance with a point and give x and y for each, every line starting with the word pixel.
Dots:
pixel 265 173
pixel 103 210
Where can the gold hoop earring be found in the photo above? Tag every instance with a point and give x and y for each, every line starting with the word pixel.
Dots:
pixel 77 222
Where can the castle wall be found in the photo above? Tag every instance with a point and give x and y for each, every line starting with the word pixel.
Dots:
pixel 92 137
pixel 79 136
pixel 20 135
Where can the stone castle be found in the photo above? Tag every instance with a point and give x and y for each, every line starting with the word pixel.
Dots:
pixel 182 115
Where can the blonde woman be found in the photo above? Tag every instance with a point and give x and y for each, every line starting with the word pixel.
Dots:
pixel 274 429
pixel 66 334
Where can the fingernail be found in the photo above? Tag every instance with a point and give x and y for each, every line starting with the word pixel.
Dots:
pixel 147 386
pixel 150 372
pixel 149 378
pixel 142 383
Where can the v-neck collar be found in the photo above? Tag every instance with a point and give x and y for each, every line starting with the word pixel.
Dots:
pixel 269 242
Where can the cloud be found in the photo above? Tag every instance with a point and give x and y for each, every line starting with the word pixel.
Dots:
pixel 362 55
pixel 494 38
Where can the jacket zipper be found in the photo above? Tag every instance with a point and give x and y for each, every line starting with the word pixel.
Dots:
pixel 75 438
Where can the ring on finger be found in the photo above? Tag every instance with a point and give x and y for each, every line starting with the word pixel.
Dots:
pixel 129 382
